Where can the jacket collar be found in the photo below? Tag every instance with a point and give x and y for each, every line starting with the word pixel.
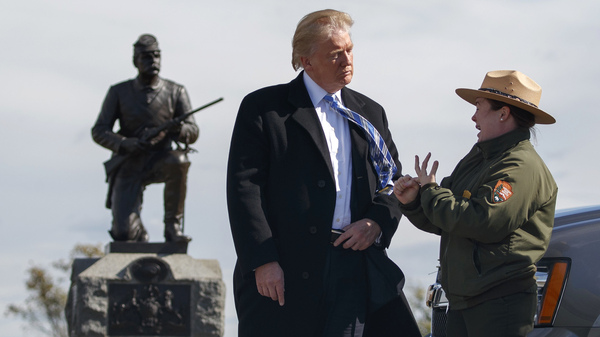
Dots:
pixel 139 86
pixel 300 98
pixel 492 147
pixel 306 116
pixel 298 95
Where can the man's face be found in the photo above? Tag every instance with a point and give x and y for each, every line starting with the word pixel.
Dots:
pixel 331 65
pixel 148 63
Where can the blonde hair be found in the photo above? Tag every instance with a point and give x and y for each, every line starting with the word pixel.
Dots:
pixel 316 27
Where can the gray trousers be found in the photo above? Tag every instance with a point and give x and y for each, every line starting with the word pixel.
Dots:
pixel 169 167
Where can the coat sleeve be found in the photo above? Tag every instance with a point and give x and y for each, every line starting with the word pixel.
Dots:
pixel 102 131
pixel 189 130
pixel 247 173
pixel 414 213
pixel 486 215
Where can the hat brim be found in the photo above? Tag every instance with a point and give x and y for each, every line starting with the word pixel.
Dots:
pixel 470 95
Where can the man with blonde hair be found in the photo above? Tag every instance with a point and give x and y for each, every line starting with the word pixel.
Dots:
pixel 309 178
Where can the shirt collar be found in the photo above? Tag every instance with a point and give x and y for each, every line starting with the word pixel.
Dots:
pixel 317 93
pixel 489 148
pixel 139 86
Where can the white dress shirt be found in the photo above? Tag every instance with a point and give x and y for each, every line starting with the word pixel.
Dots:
pixel 337 133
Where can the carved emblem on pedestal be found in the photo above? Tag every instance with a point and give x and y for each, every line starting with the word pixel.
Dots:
pixel 151 307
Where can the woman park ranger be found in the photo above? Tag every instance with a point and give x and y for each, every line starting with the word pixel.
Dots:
pixel 494 213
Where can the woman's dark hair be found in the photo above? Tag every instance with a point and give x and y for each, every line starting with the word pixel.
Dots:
pixel 525 119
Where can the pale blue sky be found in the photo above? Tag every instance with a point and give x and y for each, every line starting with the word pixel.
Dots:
pixel 60 57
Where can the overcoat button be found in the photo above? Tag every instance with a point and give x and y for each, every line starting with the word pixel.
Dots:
pixel 305 275
pixel 312 230
pixel 321 183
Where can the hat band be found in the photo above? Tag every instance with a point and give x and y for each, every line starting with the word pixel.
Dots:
pixel 498 92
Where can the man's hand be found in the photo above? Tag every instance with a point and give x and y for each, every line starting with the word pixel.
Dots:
pixel 174 127
pixel 131 145
pixel 269 281
pixel 359 235
pixel 152 136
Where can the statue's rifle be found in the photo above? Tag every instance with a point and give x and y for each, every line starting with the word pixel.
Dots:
pixel 118 159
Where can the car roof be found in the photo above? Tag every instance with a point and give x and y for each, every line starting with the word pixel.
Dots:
pixel 576 215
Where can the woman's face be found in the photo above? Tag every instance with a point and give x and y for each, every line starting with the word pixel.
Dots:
pixel 487 121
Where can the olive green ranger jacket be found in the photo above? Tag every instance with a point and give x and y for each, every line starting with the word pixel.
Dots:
pixel 494 214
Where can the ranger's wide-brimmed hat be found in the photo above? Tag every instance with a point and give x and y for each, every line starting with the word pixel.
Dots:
pixel 512 87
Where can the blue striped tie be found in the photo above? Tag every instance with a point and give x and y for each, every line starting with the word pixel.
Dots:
pixel 381 157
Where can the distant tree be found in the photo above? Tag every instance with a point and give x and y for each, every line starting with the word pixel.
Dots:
pixel 43 309
pixel 416 298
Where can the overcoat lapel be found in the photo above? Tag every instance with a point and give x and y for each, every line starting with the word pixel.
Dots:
pixel 306 116
pixel 360 143
pixel 362 185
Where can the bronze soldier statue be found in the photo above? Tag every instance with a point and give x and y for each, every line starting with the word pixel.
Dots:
pixel 143 151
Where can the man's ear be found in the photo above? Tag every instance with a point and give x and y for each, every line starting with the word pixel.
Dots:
pixel 305 62
pixel 133 60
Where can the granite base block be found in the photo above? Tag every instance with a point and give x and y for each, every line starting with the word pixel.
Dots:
pixel 146 294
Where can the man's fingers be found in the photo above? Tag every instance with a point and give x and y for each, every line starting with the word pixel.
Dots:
pixel 350 243
pixel 270 281
pixel 360 234
pixel 280 296
pixel 340 240
pixel 275 292
pixel 261 290
pixel 272 293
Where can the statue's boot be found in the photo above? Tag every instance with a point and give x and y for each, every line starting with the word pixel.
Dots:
pixel 135 231
pixel 142 235
pixel 173 233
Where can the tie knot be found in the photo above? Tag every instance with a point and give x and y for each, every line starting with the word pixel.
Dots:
pixel 329 98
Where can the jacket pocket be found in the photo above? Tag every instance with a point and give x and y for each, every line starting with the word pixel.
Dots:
pixel 476 259
pixel 489 258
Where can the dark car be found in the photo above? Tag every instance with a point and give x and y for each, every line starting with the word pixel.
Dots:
pixel 568 279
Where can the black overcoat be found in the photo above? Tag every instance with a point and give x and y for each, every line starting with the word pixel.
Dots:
pixel 281 197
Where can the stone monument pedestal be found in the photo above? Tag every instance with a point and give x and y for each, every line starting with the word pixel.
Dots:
pixel 146 289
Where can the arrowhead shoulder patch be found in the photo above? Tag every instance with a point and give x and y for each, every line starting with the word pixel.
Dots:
pixel 502 191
